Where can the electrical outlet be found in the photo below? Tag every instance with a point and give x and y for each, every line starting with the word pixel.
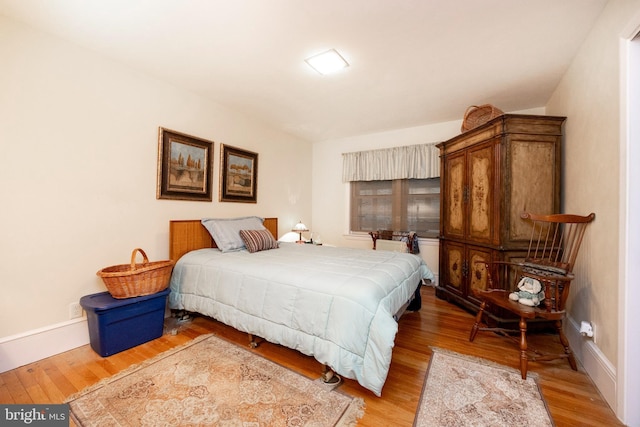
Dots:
pixel 75 310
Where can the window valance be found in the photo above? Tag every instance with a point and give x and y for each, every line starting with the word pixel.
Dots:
pixel 411 161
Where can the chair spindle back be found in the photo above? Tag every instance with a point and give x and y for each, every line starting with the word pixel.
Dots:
pixel 556 239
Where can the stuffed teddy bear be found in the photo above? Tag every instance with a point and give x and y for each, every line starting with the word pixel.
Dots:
pixel 529 292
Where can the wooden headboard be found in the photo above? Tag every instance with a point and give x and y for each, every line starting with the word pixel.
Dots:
pixel 189 234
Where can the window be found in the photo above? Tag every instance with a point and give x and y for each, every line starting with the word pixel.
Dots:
pixel 399 205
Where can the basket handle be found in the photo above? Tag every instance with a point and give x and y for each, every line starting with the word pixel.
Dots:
pixel 469 109
pixel 133 258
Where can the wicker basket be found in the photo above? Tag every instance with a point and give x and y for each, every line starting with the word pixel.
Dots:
pixel 134 280
pixel 477 115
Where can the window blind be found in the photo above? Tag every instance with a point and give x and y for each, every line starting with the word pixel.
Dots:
pixel 408 162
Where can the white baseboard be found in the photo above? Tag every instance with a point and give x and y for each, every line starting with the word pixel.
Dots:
pixel 31 346
pixel 594 362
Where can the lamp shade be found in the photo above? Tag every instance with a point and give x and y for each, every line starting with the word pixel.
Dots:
pixel 300 227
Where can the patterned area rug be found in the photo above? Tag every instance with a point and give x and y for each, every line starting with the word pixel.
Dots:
pixel 209 381
pixel 467 391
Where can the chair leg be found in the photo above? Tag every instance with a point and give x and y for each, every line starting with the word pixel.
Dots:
pixel 476 325
pixel 523 348
pixel 565 343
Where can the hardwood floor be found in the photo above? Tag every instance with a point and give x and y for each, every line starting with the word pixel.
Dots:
pixel 571 396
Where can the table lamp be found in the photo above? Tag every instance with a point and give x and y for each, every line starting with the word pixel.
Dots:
pixel 300 228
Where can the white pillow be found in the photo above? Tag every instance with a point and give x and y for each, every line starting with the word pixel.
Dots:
pixel 226 231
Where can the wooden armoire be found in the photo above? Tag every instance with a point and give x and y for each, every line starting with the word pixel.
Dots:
pixel 489 176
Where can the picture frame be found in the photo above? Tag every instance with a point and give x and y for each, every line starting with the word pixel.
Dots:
pixel 185 166
pixel 238 175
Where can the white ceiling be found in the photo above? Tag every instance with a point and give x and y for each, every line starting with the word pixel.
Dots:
pixel 413 62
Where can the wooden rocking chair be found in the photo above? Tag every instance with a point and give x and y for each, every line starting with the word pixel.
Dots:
pixel 553 248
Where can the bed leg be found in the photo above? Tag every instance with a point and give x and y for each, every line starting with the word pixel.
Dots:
pixel 253 342
pixel 181 315
pixel 329 376
pixel 177 321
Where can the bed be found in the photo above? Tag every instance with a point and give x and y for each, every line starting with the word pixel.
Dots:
pixel 338 305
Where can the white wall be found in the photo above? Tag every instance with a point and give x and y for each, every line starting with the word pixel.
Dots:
pixel 78 167
pixel 628 315
pixel 589 94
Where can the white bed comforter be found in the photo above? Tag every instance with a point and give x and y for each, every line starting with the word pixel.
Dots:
pixel 335 304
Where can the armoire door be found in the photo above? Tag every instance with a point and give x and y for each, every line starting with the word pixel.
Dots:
pixel 480 164
pixel 452 278
pixel 477 272
pixel 454 188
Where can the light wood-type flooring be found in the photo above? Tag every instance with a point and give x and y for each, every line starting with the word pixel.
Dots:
pixel 571 396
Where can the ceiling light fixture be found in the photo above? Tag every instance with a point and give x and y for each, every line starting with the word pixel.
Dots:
pixel 327 62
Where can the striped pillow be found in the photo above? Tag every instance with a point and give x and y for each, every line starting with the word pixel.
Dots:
pixel 258 240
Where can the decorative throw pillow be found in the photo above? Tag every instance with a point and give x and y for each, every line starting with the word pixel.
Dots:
pixel 226 231
pixel 258 240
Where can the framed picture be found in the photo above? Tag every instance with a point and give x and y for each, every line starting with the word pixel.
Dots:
pixel 185 166
pixel 238 175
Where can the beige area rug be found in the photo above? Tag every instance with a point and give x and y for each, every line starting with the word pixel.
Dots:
pixel 468 391
pixel 210 381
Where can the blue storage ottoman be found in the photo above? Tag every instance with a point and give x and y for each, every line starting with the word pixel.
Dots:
pixel 119 324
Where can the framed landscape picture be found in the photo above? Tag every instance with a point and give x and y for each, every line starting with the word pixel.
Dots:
pixel 185 166
pixel 238 175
